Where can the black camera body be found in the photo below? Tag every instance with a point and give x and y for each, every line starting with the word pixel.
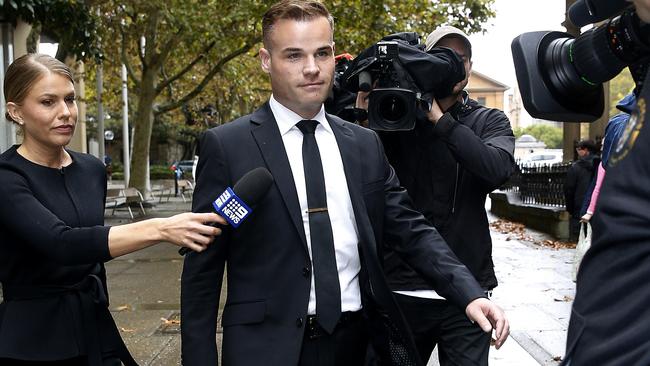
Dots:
pixel 392 105
pixel 560 77
pixel 398 73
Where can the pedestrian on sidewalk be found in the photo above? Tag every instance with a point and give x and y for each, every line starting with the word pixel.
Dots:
pixel 577 183
pixel 54 244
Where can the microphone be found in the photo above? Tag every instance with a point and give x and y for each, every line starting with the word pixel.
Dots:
pixel 234 204
pixel 584 12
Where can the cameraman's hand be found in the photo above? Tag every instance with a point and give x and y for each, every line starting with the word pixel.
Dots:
pixel 362 100
pixel 435 112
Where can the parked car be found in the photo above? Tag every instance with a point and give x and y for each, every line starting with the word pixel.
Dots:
pixel 542 158
pixel 188 167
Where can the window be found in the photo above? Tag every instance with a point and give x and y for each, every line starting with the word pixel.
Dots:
pixel 481 100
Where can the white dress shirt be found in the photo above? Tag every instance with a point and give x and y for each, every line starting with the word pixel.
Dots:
pixel 339 205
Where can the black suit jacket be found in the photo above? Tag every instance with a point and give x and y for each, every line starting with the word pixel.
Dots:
pixel 610 318
pixel 268 263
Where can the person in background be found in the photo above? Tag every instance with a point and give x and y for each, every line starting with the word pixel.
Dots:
pixel 458 152
pixel 613 132
pixel 577 183
pixel 54 244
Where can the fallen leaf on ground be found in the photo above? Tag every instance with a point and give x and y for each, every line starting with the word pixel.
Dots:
pixel 517 231
pixel 564 299
pixel 122 308
pixel 170 321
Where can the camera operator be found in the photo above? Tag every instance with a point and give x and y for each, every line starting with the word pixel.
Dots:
pixel 458 152
pixel 610 321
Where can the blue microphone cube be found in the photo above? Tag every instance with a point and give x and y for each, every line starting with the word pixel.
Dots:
pixel 231 207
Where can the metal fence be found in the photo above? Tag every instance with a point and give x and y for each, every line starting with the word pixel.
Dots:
pixel 539 184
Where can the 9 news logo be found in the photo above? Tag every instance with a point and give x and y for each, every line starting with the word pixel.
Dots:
pixel 231 207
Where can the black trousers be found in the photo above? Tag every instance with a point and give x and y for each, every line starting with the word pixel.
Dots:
pixel 346 346
pixel 440 322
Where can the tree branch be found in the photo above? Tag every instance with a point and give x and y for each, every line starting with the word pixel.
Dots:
pixel 164 83
pixel 169 45
pixel 170 90
pixel 206 79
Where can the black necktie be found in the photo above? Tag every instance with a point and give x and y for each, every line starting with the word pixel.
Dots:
pixel 326 276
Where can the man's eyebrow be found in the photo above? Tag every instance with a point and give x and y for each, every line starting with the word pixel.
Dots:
pixel 292 49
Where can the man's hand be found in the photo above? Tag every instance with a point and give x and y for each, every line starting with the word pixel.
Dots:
pixel 488 315
pixel 435 112
pixel 362 100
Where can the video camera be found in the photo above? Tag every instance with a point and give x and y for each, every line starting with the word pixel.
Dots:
pixel 560 77
pixel 398 73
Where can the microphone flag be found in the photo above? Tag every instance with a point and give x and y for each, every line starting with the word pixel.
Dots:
pixel 231 207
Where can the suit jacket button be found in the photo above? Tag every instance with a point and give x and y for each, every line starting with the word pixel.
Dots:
pixel 299 322
pixel 306 271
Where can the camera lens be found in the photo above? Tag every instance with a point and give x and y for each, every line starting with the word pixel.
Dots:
pixel 392 107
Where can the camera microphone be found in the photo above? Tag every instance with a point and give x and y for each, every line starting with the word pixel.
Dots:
pixel 365 81
pixel 584 12
pixel 234 204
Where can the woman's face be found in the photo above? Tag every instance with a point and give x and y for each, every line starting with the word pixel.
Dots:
pixel 48 114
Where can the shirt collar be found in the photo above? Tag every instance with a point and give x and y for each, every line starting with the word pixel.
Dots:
pixel 287 119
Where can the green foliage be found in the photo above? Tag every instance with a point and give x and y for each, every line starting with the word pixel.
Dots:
pixel 69 22
pixel 360 23
pixel 204 54
pixel 619 87
pixel 550 135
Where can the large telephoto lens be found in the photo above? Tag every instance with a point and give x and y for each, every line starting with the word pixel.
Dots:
pixel 601 53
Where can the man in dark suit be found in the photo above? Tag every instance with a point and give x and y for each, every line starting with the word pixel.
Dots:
pixel 280 310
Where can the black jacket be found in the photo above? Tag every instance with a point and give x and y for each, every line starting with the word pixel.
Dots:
pixel 51 261
pixel 577 182
pixel 610 321
pixel 448 170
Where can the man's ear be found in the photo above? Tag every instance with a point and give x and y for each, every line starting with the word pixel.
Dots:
pixel 265 59
pixel 15 112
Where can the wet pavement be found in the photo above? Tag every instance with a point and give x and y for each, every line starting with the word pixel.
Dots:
pixel 535 289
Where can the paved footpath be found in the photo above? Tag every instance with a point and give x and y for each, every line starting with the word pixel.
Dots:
pixel 535 291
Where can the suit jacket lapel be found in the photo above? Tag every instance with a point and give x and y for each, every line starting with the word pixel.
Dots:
pixel 267 136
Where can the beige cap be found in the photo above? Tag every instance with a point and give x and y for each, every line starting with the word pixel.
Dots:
pixel 447 31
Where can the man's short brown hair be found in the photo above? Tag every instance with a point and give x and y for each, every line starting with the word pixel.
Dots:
pixel 299 10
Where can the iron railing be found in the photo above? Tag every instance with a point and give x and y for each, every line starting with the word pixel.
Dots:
pixel 539 184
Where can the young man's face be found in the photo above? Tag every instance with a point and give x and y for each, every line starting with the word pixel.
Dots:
pixel 300 62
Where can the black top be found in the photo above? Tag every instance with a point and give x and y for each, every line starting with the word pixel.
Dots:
pixel 52 239
pixel 448 170
pixel 610 321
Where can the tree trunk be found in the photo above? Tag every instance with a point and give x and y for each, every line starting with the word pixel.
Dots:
pixel 142 133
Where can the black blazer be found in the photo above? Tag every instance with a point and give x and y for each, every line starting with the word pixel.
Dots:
pixel 268 262
pixel 52 248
